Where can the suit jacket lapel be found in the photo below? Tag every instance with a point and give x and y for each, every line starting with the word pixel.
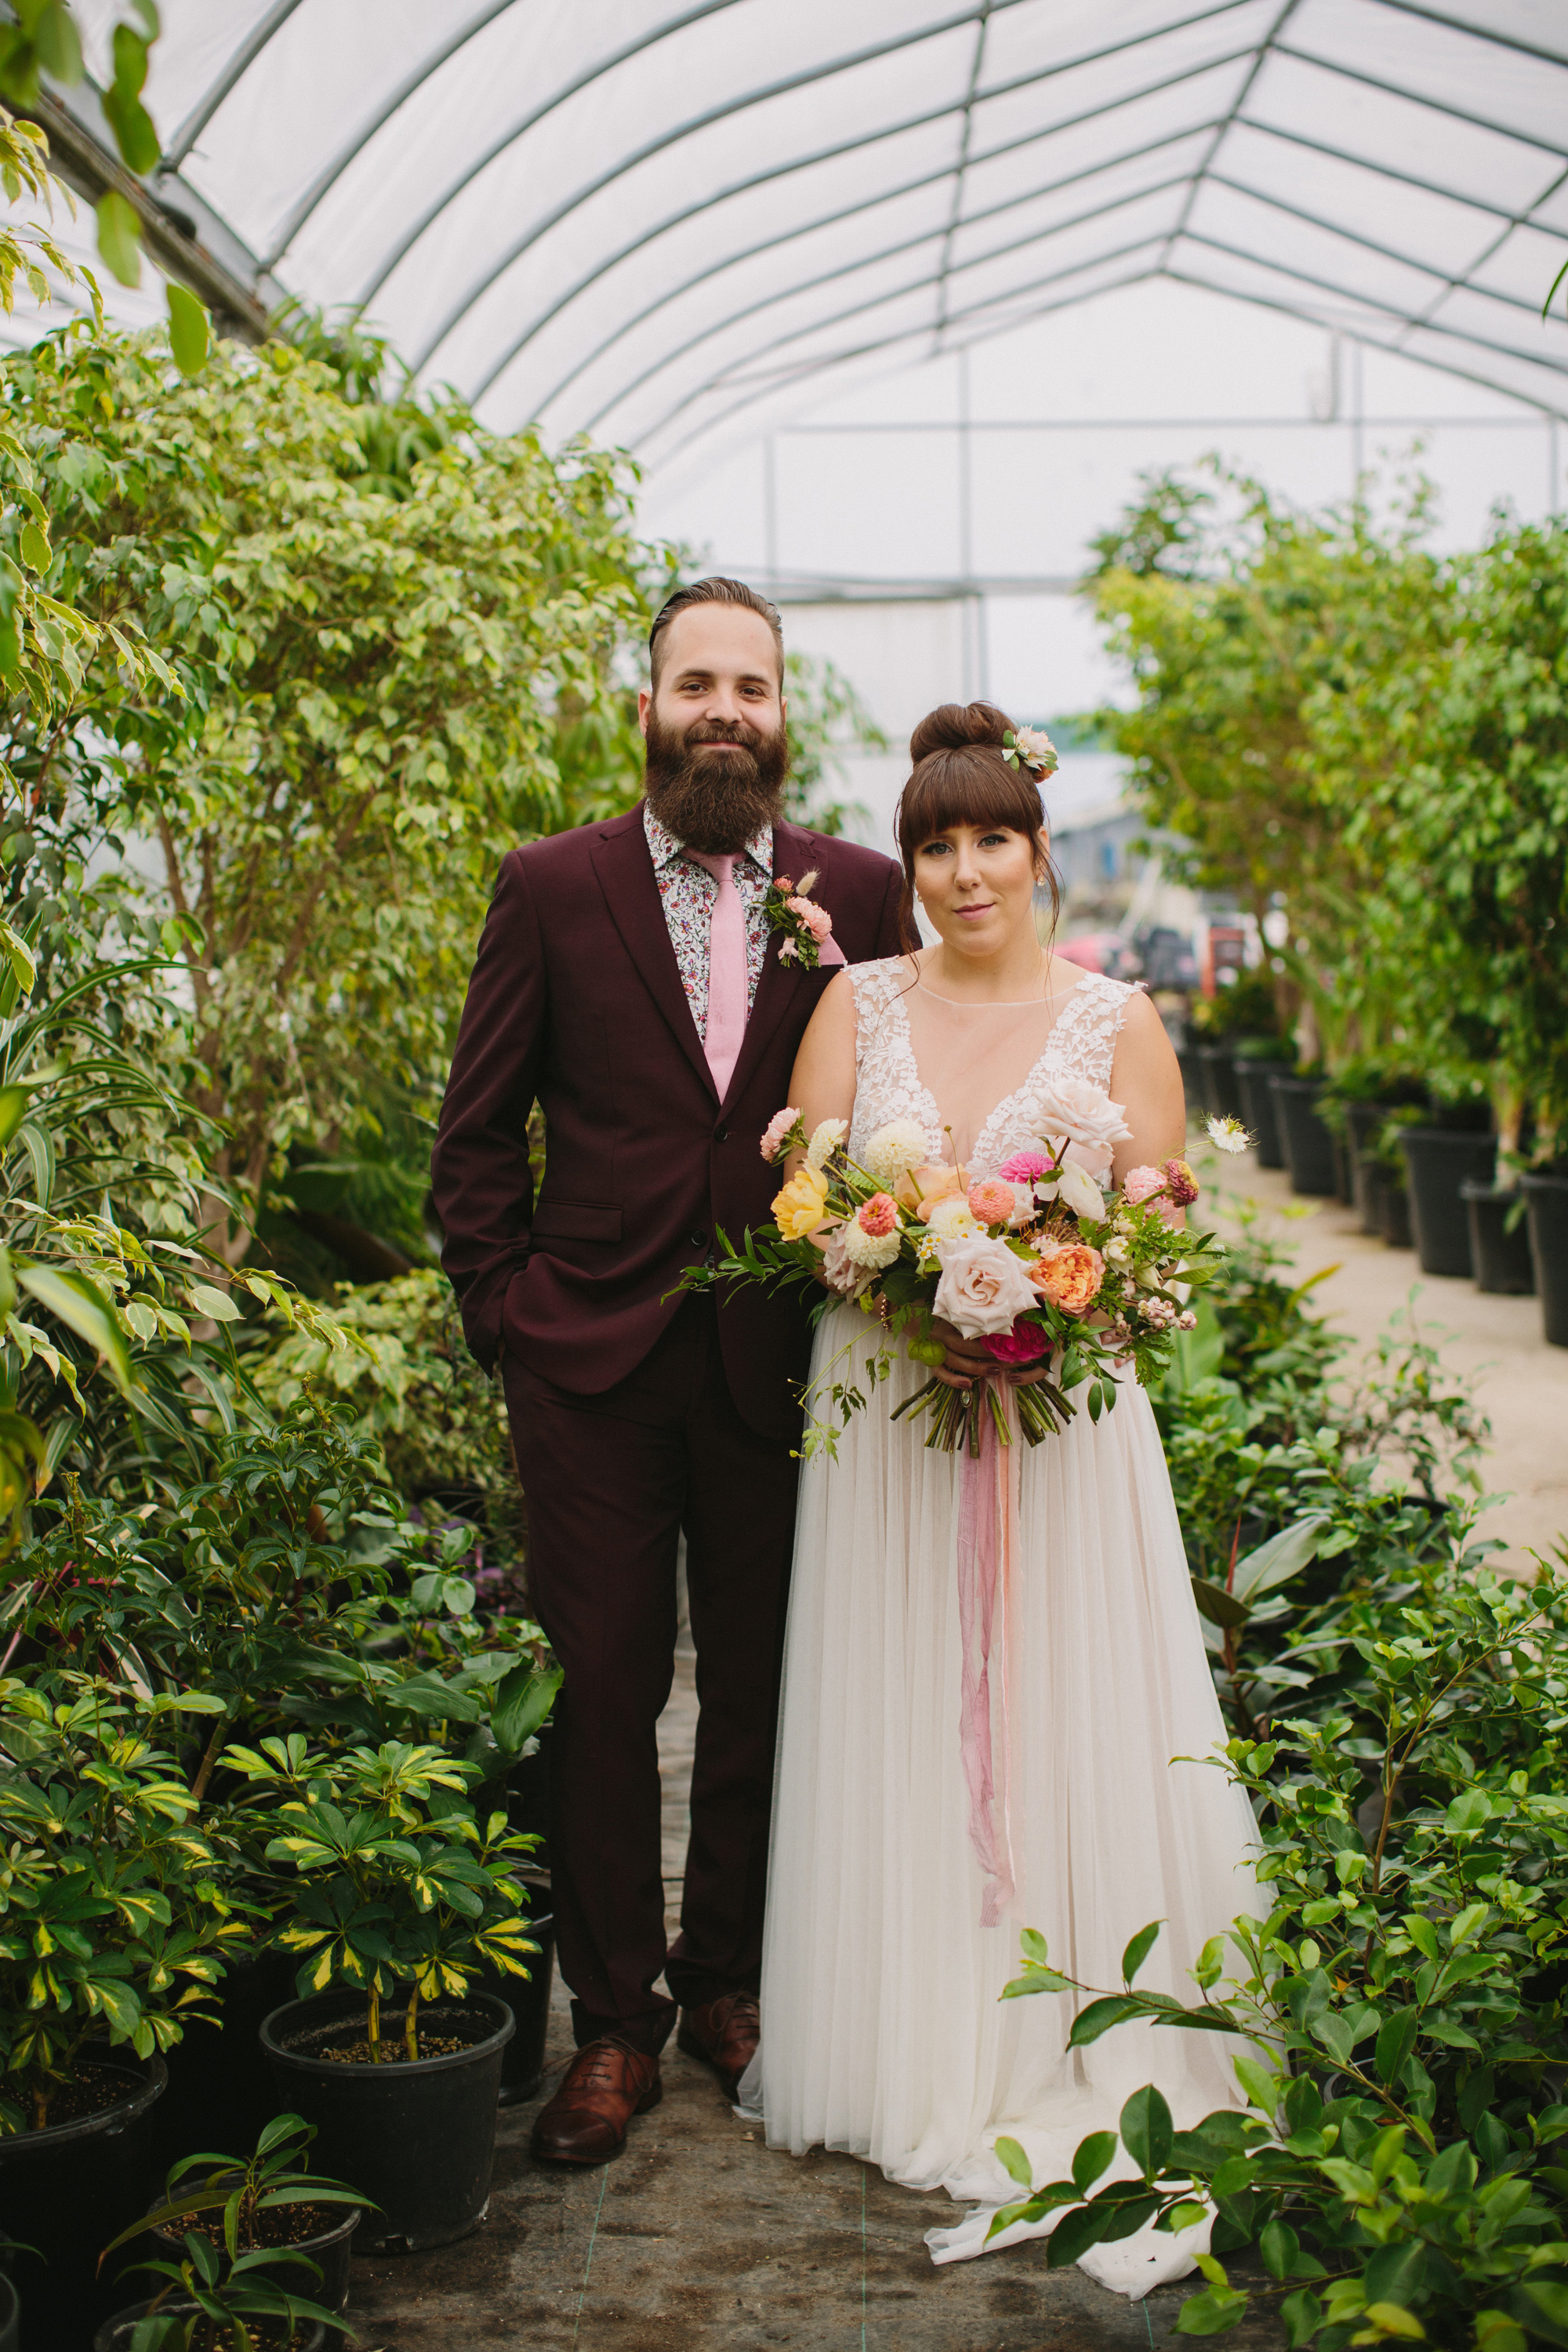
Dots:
pixel 626 874
pixel 779 984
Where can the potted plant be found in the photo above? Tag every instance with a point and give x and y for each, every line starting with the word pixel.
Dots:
pixel 1546 1190
pixel 398 1890
pixel 1454 1145
pixel 1308 1143
pixel 115 1931
pixel 269 2203
pixel 1499 1237
pixel 1258 1060
pixel 213 2306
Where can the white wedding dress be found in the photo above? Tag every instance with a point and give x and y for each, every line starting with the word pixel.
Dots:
pixel 883 2032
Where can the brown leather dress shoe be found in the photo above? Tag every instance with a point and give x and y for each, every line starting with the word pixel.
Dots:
pixel 605 2086
pixel 724 2035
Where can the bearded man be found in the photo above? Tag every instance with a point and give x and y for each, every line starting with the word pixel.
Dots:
pixel 628 980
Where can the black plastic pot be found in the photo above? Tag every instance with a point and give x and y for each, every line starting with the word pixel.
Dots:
pixel 66 2191
pixel 1500 1256
pixel 115 2334
pixel 1394 1215
pixel 10 2317
pixel 1547 1195
pixel 1221 1095
pixel 220 2091
pixel 1258 1108
pixel 329 2252
pixel 528 1998
pixel 1362 1119
pixel 1308 1144
pixel 418 2139
pixel 1192 1076
pixel 1344 1187
pixel 1440 1161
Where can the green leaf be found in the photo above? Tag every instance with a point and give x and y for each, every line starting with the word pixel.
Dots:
pixel 1146 2130
pixel 1091 2158
pixel 14 1103
pixel 1541 2305
pixel 1395 2042
pixel 215 1304
pixel 58 43
pixel 36 553
pixel 1279 2247
pixel 1303 2316
pixel 1282 1557
pixel 1469 1920
pixel 1138 1950
pixel 80 1304
pixel 133 133
pixel 1074 2234
pixel 522 1700
pixel 189 329
pixel 1468 1813
pixel 1099 2018
pixel 1211 2312
pixel 1015 2162
pixel 120 236
pixel 1261 2087
pixel 1220 1607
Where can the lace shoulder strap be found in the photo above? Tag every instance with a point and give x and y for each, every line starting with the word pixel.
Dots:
pixel 1083 1041
pixel 877 986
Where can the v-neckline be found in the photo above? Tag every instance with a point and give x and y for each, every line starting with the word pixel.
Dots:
pixel 933 1125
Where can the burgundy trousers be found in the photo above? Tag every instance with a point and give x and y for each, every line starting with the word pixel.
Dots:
pixel 611 1481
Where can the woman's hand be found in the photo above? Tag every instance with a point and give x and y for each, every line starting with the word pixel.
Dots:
pixel 969 1360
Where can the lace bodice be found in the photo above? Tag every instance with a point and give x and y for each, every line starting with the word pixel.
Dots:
pixel 1081 1043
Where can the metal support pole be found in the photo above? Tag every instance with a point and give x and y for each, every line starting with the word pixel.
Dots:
pixel 770 509
pixel 967 526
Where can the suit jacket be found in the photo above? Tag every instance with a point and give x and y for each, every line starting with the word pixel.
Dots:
pixel 576 1002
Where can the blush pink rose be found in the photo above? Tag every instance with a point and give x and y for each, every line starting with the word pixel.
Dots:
pixel 879 1216
pixel 839 1270
pixel 991 1204
pixel 1139 1182
pixel 984 1287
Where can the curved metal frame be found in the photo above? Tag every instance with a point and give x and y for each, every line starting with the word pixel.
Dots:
pixel 1217 244
pixel 1404 324
pixel 830 220
pixel 847 147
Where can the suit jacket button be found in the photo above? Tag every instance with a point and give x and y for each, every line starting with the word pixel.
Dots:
pixel 697 1240
pixel 721 1135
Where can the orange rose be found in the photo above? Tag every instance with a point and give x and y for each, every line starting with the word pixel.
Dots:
pixel 1070 1277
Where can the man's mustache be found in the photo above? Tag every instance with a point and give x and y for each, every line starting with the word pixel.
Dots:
pixel 721 731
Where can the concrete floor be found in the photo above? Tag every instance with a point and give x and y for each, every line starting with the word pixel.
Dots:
pixel 697 2238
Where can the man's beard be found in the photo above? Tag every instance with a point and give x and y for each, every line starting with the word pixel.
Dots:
pixel 715 800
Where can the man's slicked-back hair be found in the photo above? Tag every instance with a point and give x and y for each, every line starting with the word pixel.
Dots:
pixel 710 591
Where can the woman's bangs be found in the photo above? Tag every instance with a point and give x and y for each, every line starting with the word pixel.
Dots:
pixel 966 788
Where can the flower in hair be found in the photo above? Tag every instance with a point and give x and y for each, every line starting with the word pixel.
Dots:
pixel 1031 747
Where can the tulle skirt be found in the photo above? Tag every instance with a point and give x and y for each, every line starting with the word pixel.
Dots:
pixel 884 2034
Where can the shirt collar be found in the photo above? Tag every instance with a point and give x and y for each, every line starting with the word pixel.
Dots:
pixel 664 849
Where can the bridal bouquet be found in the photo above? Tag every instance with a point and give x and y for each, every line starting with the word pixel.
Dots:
pixel 1055 1274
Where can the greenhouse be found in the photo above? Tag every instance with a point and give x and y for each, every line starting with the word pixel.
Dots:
pixel 784 1052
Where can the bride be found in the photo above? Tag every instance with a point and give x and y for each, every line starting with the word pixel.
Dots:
pixel 884 2032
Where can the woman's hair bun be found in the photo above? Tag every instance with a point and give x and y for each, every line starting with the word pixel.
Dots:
pixel 955 725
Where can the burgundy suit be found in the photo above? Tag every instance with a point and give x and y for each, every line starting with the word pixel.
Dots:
pixel 635 1413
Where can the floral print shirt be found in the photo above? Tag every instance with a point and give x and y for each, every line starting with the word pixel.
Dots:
pixel 689 891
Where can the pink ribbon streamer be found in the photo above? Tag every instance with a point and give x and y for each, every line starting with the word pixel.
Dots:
pixel 988 1550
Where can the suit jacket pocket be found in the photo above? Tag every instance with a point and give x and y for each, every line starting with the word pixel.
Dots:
pixel 576 1221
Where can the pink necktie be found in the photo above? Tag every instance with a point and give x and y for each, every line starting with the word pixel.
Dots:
pixel 727 992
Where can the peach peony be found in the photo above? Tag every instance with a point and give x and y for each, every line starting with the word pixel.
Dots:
pixel 1139 1182
pixel 1070 1278
pixel 817 920
pixel 879 1214
pixel 992 1204
pixel 800 1207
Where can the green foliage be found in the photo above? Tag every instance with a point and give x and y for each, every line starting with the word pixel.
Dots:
pixel 1335 722
pixel 1400 2004
pixel 415 1392
pixel 825 717
pixel 211 2306
pixel 401 1883
pixel 240 2189
pixel 114 1918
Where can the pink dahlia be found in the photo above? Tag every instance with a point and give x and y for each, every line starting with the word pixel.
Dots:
pixel 991 1204
pixel 817 920
pixel 879 1216
pixel 1028 1168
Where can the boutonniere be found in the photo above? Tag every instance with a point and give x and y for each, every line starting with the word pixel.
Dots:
pixel 807 927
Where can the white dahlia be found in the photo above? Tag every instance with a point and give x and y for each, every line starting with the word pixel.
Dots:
pixel 825 1140
pixel 894 1150
pixel 873 1250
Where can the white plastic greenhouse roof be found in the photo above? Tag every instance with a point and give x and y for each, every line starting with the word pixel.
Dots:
pixel 665 222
